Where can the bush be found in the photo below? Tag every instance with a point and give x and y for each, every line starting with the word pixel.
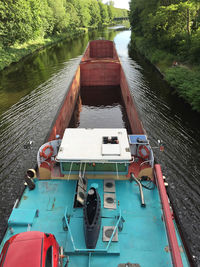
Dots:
pixel 186 83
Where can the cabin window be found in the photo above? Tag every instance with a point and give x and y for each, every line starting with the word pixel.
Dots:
pixel 48 261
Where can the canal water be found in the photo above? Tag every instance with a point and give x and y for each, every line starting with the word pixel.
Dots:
pixel 32 90
pixel 100 107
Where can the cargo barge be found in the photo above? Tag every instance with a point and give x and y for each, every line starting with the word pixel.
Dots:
pixel 98 196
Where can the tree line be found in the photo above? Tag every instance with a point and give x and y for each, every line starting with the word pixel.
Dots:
pixel 172 25
pixel 24 20
pixel 167 32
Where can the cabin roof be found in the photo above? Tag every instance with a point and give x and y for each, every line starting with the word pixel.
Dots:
pixel 94 145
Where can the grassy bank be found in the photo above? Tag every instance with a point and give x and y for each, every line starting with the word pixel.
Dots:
pixel 18 51
pixel 184 77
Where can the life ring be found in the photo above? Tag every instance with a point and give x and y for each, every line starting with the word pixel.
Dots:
pixel 146 155
pixel 43 152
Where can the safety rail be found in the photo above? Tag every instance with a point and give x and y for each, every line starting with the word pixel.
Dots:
pixel 146 161
pixel 92 250
pixel 140 187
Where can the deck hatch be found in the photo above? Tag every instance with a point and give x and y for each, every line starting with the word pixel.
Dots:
pixel 109 201
pixel 110 150
pixel 109 185
pixel 107 233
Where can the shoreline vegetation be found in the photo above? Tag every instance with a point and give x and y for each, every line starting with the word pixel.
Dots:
pixel 167 33
pixel 30 25
pixel 17 52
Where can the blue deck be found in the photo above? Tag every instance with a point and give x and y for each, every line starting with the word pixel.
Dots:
pixel 143 239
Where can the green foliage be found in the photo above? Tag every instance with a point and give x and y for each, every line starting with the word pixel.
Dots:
pixel 60 18
pixel 94 13
pixel 187 83
pixel 24 20
pixel 104 13
pixel 20 20
pixel 16 52
pixel 26 25
pixel 110 9
pixel 171 25
pixel 166 31
pixel 82 7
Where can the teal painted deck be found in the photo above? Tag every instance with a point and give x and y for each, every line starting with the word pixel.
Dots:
pixel 143 239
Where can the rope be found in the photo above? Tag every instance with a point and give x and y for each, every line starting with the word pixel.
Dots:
pixel 117 171
pixel 70 171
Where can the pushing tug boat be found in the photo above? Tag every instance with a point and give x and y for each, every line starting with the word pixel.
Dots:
pixel 98 196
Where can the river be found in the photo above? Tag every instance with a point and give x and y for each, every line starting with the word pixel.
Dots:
pixel 32 90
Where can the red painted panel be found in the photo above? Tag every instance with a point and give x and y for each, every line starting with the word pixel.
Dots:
pixel 94 73
pixel 101 49
pixel 135 122
pixel 86 55
pixel 97 72
pixel 174 248
pixel 67 108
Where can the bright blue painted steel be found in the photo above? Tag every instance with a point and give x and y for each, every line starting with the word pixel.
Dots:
pixel 143 239
pixel 92 250
pixel 89 257
pixel 69 229
pixel 133 139
pixel 21 217
pixel 95 185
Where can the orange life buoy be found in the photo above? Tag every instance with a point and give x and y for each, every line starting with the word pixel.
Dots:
pixel 147 152
pixel 43 152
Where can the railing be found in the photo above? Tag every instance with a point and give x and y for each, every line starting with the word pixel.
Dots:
pixel 92 250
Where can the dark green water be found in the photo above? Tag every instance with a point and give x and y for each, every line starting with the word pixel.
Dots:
pixel 32 90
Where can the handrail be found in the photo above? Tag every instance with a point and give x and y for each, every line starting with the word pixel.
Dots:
pixel 146 161
pixel 92 250
pixel 99 161
pixel 173 243
pixel 140 187
pixel 150 161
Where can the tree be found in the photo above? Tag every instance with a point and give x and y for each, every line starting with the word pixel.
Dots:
pixel 20 20
pixel 103 13
pixel 110 7
pixel 61 19
pixel 94 13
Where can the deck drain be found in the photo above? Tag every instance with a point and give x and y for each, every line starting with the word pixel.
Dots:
pixel 109 201
pixel 107 233
pixel 109 186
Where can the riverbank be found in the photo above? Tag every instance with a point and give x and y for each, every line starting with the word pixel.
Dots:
pixel 17 52
pixel 184 78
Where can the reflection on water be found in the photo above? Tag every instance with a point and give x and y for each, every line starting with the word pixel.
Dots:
pixel 20 79
pixel 100 107
pixel 30 95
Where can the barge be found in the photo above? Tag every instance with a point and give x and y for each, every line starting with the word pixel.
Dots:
pixel 98 196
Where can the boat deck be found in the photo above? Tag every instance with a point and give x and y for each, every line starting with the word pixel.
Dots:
pixel 143 239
